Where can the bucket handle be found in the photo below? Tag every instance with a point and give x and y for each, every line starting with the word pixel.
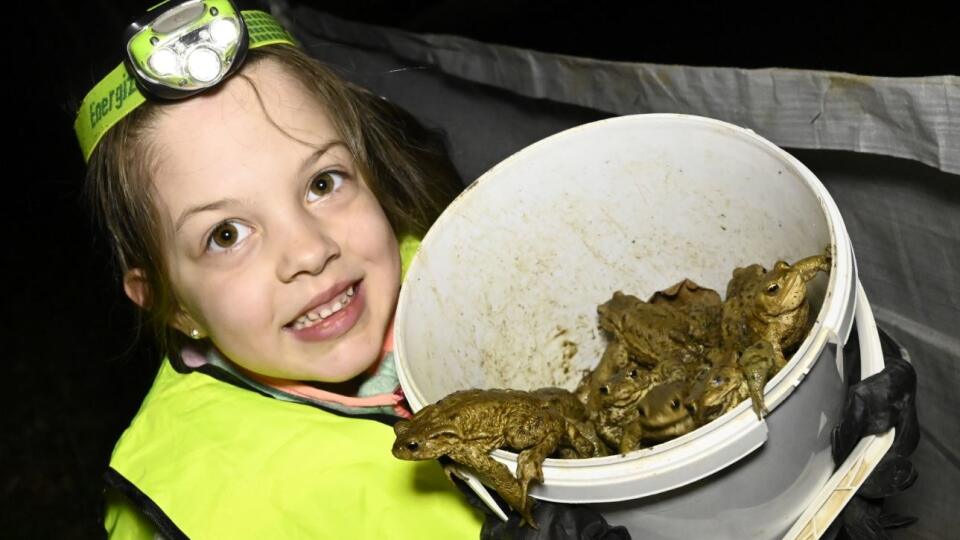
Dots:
pixel 843 485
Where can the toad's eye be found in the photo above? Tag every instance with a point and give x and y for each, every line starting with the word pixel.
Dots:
pixel 413 446
pixel 604 389
pixel 773 288
pixel 227 235
pixel 675 404
pixel 323 185
pixel 717 381
pixel 633 373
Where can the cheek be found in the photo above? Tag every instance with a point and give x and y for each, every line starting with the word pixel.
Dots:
pixel 371 236
pixel 233 305
pixel 240 313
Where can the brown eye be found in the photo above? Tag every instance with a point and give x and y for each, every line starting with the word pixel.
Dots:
pixel 773 288
pixel 324 184
pixel 227 235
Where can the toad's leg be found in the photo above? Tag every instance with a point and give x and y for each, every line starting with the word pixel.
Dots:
pixel 632 433
pixel 757 363
pixel 496 475
pixel 809 266
pixel 584 439
pixel 529 461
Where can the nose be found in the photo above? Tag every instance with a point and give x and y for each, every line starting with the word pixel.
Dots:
pixel 305 249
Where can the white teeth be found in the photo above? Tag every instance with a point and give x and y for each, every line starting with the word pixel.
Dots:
pixel 312 318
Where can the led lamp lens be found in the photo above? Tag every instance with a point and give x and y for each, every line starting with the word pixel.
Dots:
pixel 163 62
pixel 203 64
pixel 224 32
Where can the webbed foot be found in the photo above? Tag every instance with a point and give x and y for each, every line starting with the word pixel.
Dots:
pixel 526 515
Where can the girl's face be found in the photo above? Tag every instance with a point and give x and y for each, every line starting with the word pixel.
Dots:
pixel 277 249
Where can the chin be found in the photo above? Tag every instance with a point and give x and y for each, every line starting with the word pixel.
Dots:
pixel 357 361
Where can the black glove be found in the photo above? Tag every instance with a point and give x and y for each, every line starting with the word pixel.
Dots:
pixel 864 519
pixel 878 403
pixel 874 405
pixel 557 522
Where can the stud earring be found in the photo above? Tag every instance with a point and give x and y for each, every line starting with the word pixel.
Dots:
pixel 195 334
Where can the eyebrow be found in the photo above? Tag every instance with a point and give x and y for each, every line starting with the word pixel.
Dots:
pixel 312 158
pixel 219 204
pixel 189 212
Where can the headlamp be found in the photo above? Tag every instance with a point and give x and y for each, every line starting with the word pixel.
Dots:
pixel 176 50
pixel 181 48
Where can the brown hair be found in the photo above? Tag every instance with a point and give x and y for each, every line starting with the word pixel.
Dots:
pixel 405 165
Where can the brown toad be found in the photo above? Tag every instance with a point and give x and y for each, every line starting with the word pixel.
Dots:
pixel 649 332
pixel 469 424
pixel 721 390
pixel 664 414
pixel 702 307
pixel 618 418
pixel 770 306
pixel 615 358
pixel 736 377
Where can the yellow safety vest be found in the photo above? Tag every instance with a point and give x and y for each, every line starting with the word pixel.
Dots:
pixel 220 461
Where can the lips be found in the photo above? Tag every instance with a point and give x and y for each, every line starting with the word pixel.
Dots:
pixel 324 311
pixel 324 305
pixel 321 322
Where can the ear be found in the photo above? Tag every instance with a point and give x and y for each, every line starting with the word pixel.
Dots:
pixel 138 290
pixel 136 286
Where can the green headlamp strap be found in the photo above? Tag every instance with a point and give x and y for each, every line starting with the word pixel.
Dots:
pixel 117 94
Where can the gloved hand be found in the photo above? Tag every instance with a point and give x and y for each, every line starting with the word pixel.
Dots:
pixel 873 406
pixel 864 519
pixel 557 522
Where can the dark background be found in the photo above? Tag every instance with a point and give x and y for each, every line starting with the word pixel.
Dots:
pixel 77 371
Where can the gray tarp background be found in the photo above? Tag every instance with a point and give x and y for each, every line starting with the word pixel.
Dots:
pixel 903 216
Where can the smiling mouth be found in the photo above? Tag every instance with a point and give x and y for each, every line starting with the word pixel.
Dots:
pixel 323 311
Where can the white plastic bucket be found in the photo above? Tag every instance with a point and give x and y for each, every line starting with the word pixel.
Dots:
pixel 505 288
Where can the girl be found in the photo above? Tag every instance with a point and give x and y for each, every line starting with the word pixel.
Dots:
pixel 257 225
pixel 263 225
